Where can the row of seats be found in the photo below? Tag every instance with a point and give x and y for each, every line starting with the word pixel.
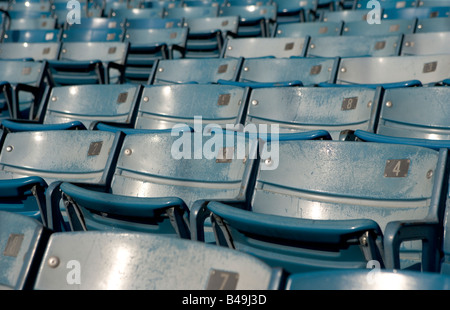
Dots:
pixel 338 110
pixel 402 71
pixel 37 259
pixel 304 203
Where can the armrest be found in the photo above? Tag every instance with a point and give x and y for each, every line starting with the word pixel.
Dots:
pixel 261 85
pixel 298 229
pixel 373 137
pixel 16 126
pixel 398 232
pixel 13 105
pixel 18 187
pixel 117 66
pixel 411 83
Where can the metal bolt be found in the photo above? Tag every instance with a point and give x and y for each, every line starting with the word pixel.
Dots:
pixel 128 152
pixel 54 99
pixel 160 69
pixel 389 104
pixel 146 99
pixel 429 174
pixel 343 70
pixel 230 48
pixel 254 102
pixel 369 104
pixel 9 148
pixel 313 46
pixel 53 262
pixel 246 69
pixel 268 161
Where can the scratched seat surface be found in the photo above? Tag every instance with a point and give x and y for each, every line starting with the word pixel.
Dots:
pixel 132 261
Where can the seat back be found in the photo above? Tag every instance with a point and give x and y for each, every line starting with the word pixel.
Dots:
pixel 298 109
pixel 429 69
pixel 32 23
pixel 345 15
pixel 74 156
pixel 417 12
pixel 220 170
pixel 415 113
pixel 126 13
pixel 92 103
pixel 313 29
pixel 387 27
pixel 321 199
pixel 432 25
pixel 426 43
pixel 93 35
pixel 264 47
pixel 32 36
pixel 386 4
pixel 354 46
pixel 153 23
pixel 163 107
pixel 97 23
pixel 22 240
pixel 34 51
pixel 191 12
pixel 23 72
pixel 206 70
pixel 309 71
pixel 104 51
pixel 110 261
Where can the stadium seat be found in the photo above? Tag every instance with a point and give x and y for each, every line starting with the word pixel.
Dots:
pixel 89 104
pixel 32 36
pixel 22 240
pixel 432 43
pixel 30 51
pixel 254 21
pixel 386 4
pixel 188 12
pixel 289 11
pixel 29 183
pixel 313 29
pixel 148 45
pixel 137 261
pixel 415 112
pixel 355 46
pixel 418 12
pixel 387 27
pixel 156 195
pixel 127 14
pixel 204 70
pixel 207 35
pixel 394 71
pixel 97 23
pixel 23 84
pixel 269 72
pixel 382 280
pixel 265 47
pixel 433 25
pixel 92 35
pixel 32 23
pixel 163 107
pixel 153 23
pixel 298 109
pixel 344 16
pixel 90 63
pixel 315 206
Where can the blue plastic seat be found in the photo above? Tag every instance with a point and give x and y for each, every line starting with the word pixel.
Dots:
pixel 163 107
pixel 32 23
pixel 201 71
pixel 207 35
pixel 314 206
pixel 30 51
pixel 22 86
pixel 355 46
pixel 21 239
pixel 299 109
pixel 289 11
pixel 97 23
pixel 187 12
pixel 418 12
pixel 415 112
pixel 90 63
pixel 153 23
pixel 29 184
pixel 254 21
pixel 345 16
pixel 269 72
pixel 89 104
pixel 393 71
pixel 32 36
pixel 126 13
pixel 152 263
pixel 426 44
pixel 156 195
pixel 387 27
pixel 433 25
pixel 383 280
pixel 93 35
pixel 313 29
pixel 265 47
pixel 387 4
pixel 148 45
